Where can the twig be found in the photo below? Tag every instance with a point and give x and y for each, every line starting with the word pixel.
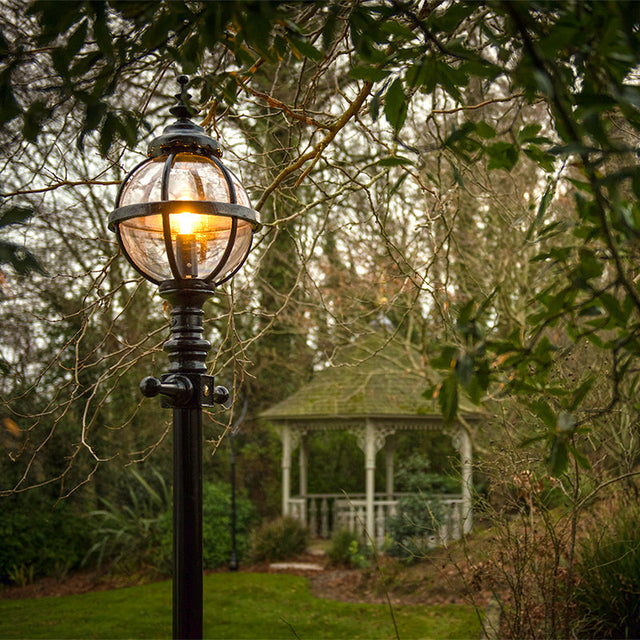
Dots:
pixel 277 104
pixel 316 152
pixel 61 183
pixel 480 105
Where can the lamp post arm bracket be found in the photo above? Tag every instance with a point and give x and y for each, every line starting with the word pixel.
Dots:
pixel 177 388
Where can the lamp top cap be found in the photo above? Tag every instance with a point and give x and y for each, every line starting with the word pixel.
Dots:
pixel 183 135
pixel 183 109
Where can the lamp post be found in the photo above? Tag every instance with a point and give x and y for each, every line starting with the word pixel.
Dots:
pixel 233 561
pixel 185 222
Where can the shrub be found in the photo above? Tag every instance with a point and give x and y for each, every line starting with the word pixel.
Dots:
pixel 216 527
pixel 346 549
pixel 279 540
pixel 127 535
pixel 410 530
pixel 418 518
pixel 39 537
pixel 414 475
pixel 139 533
pixel 609 569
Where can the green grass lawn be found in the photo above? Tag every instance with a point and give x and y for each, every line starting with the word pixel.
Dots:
pixel 240 605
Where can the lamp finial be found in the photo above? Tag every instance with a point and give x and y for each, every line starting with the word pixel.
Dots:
pixel 182 109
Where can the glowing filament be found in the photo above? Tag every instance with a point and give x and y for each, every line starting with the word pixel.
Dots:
pixel 186 223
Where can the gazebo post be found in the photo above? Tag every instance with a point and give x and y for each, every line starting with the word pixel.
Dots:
pixel 389 453
pixel 370 469
pixel 466 455
pixel 286 468
pixel 303 461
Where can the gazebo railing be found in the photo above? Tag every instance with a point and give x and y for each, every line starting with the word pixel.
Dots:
pixel 326 513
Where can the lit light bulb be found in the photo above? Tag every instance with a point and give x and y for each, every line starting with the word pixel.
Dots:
pixel 186 223
pixel 186 246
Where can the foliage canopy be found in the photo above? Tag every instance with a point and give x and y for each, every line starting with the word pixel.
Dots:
pixel 484 153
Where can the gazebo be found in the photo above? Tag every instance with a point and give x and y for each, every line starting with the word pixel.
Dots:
pixel 373 388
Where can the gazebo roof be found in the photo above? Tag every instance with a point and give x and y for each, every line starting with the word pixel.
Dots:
pixel 377 376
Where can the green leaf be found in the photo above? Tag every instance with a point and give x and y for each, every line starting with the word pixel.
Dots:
pixel 394 161
pixel 464 369
pixel 450 78
pixel 450 19
pixel 9 107
pixel 580 393
pixel 83 63
pixel 189 54
pixel 545 201
pixel 129 123
pixel 281 47
pixel 533 439
pixel 422 74
pixel 4 46
pixel 528 133
pixel 395 105
pixel 544 160
pixel 448 398
pixel 446 359
pixel 466 312
pixel 613 307
pixel 457 176
pixel 107 133
pixel 502 155
pixel 20 258
pixel 35 115
pixel 372 74
pixel 595 340
pixel 103 36
pixel 542 409
pixel 398 183
pixel 589 265
pixel 374 106
pixel 579 458
pixel 543 82
pixel 14 215
pixel 558 456
pixel 485 130
pixel 329 27
pixel 304 49
pixel 630 214
pixel 253 25
pixel 76 40
pixel 156 32
pixel 52 19
pixel 395 28
pixel 230 91
pixel 476 390
pixel 459 134
pixel 581 185
pixel 94 113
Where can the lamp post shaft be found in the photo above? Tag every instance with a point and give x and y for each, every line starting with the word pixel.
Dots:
pixel 187 351
pixel 187 523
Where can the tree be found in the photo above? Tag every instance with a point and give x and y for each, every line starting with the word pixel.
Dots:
pixel 401 117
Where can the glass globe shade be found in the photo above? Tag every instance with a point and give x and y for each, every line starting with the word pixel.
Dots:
pixel 183 216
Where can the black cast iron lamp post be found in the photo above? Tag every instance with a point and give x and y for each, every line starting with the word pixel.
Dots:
pixel 184 221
